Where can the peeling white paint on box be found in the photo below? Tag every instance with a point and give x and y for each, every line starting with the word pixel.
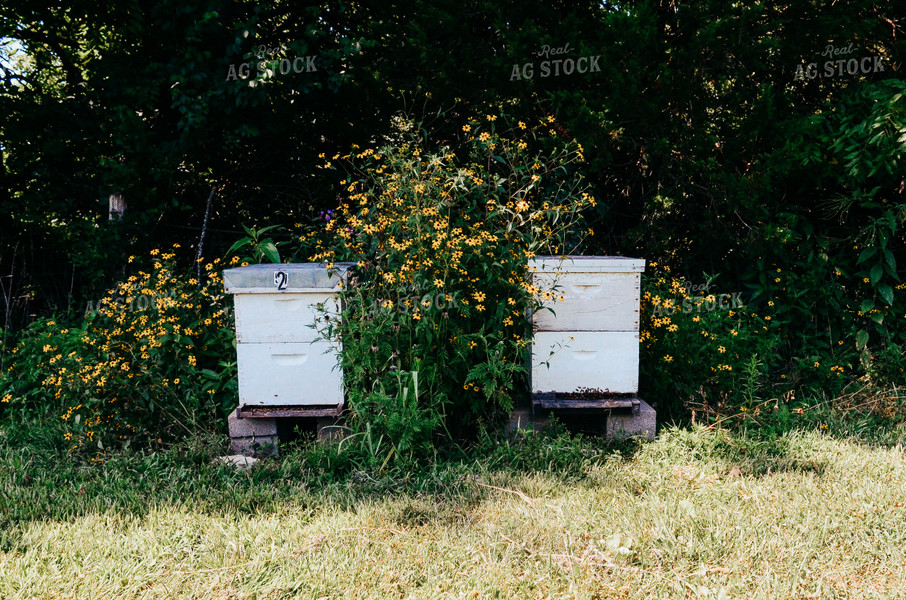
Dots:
pixel 287 317
pixel 565 360
pixel 592 302
pixel 591 338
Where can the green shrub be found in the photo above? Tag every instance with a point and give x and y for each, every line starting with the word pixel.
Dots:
pixel 752 362
pixel 701 350
pixel 440 238
pixel 153 358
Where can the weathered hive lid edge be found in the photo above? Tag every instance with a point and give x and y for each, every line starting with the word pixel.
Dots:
pixel 587 264
pixel 301 278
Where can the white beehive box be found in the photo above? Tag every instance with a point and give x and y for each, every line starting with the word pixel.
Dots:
pixel 591 340
pixel 279 362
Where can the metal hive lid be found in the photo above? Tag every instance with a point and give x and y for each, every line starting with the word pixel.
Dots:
pixel 587 264
pixel 299 277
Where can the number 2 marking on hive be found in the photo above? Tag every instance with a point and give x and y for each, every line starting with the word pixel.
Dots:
pixel 280 279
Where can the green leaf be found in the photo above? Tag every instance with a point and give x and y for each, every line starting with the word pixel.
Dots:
pixel 239 244
pixel 886 292
pixel 270 251
pixel 875 274
pixel 867 306
pixel 861 339
pixel 866 254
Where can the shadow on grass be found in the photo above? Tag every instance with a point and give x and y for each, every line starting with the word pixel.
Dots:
pixel 40 481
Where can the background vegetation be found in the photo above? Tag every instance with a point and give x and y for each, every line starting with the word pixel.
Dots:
pixel 707 156
pixel 769 208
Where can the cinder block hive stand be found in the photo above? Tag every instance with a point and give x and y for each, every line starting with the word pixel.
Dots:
pixel 585 354
pixel 283 370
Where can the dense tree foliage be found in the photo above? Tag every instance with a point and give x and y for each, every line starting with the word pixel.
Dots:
pixel 722 138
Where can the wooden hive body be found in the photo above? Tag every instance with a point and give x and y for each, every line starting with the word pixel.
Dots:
pixel 590 339
pixel 280 363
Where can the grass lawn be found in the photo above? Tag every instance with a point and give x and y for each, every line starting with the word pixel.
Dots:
pixel 694 514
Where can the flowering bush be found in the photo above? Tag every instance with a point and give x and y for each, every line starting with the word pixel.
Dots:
pixel 711 353
pixel 154 356
pixel 700 350
pixel 456 224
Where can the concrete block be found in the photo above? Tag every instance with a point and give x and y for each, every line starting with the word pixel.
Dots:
pixel 252 436
pixel 641 424
pixel 254 446
pixel 251 427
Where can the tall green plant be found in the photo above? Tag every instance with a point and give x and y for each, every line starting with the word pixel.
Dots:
pixel 441 237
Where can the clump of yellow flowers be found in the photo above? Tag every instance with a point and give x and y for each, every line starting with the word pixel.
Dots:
pixel 696 341
pixel 441 236
pixel 146 359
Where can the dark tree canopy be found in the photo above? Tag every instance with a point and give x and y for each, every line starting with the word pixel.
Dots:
pixel 701 137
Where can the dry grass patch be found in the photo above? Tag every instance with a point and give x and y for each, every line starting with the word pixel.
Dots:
pixel 691 515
